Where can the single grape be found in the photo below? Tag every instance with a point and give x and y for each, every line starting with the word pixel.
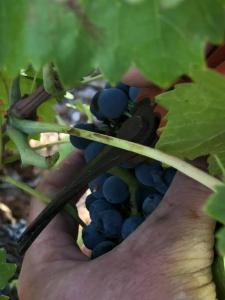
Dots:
pixel 145 173
pixel 110 223
pixel 133 93
pixel 92 150
pixel 113 103
pixel 168 175
pixel 95 109
pixel 130 225
pixel 150 203
pixel 91 237
pixel 102 248
pixel 98 206
pixel 97 183
pixel 123 87
pixel 141 194
pixel 115 190
pixel 90 200
pixel 82 143
pixel 159 185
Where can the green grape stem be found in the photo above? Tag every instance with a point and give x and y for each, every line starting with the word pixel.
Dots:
pixel 204 178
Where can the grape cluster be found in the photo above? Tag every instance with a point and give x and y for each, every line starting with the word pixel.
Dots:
pixel 118 203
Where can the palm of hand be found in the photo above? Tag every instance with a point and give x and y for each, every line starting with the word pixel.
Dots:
pixel 168 257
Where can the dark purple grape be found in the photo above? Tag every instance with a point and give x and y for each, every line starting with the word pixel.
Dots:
pixel 123 87
pixel 95 109
pixel 98 206
pixel 151 175
pixel 91 237
pixel 115 190
pixel 150 203
pixel 141 194
pixel 102 248
pixel 113 103
pixel 92 198
pixel 130 225
pixel 110 223
pixel 168 175
pixel 92 150
pixel 133 93
pixel 97 183
pixel 144 172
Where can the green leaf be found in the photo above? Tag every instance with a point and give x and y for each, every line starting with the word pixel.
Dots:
pixel 196 114
pixel 26 85
pixel 170 3
pixel 46 112
pixel 213 165
pixel 11 34
pixel 4 297
pixel 215 206
pixel 162 43
pixel 2 255
pixel 64 150
pixel 5 84
pixel 7 270
pixel 64 41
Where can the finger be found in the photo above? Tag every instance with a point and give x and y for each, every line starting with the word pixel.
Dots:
pixel 179 221
pixel 59 237
pixel 54 181
pixel 177 239
pixel 57 179
pixel 134 78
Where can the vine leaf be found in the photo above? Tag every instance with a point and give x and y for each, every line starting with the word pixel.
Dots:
pixel 7 270
pixel 162 42
pixel 196 114
pixel 215 208
pixel 170 3
pixel 5 83
pixel 64 150
pixel 46 111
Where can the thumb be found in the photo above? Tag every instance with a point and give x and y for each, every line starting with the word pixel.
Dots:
pixel 177 239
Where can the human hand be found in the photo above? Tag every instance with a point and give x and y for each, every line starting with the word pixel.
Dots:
pixel 168 257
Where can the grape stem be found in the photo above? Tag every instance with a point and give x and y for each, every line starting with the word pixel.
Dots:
pixel 31 127
pixel 89 79
pixel 42 197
